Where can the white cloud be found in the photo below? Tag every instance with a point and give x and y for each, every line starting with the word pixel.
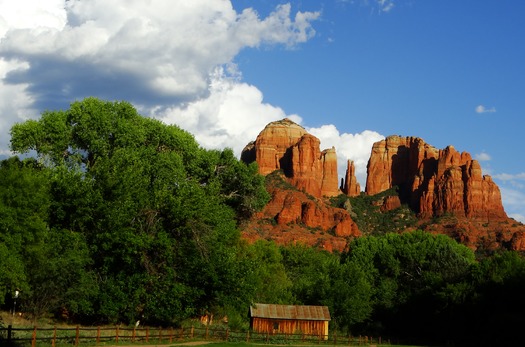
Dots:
pixel 356 147
pixel 514 202
pixel 510 177
pixel 483 109
pixel 160 54
pixel 515 180
pixel 385 5
pixel 231 116
pixel 482 156
pixel 512 197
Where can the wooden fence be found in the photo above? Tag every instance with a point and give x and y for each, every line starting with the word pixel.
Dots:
pixel 98 335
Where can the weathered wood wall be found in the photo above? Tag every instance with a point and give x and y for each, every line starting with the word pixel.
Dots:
pixel 289 326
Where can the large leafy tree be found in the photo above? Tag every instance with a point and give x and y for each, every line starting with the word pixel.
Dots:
pixel 417 279
pixel 157 211
pixel 319 278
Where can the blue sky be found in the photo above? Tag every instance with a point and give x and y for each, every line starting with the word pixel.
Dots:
pixel 351 72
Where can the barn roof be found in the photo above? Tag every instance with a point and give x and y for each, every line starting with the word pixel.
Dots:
pixel 290 312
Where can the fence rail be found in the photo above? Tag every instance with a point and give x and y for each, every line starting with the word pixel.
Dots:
pixel 96 335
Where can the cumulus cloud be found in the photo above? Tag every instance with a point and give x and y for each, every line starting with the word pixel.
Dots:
pixel 483 109
pixel 231 116
pixel 162 54
pixel 151 52
pixel 482 156
pixel 356 147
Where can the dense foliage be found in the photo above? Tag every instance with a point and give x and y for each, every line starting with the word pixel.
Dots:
pixel 115 217
pixel 122 217
pixel 366 212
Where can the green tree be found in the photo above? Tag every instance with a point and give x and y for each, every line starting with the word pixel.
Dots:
pixel 273 284
pixel 417 278
pixel 319 278
pixel 24 203
pixel 157 211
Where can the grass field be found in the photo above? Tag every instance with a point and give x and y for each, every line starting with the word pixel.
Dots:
pixel 65 334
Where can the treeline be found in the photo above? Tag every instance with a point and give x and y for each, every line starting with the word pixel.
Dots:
pixel 114 217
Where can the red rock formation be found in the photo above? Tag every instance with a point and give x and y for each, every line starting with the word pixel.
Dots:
pixel 301 215
pixel 329 183
pixel 271 147
pixel 287 146
pixel 292 216
pixel 390 203
pixel 349 184
pixel 433 182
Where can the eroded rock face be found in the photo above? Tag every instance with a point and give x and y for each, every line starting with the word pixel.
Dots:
pixel 285 145
pixel 349 184
pixel 292 216
pixel 272 148
pixel 301 215
pixel 433 182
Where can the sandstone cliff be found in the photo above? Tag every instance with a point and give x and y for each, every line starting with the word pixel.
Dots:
pixel 285 145
pixel 298 212
pixel 292 216
pixel 444 188
pixel 349 184
pixel 433 182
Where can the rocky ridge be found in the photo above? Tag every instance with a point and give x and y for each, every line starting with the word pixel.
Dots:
pixel 444 188
pixel 433 182
pixel 286 146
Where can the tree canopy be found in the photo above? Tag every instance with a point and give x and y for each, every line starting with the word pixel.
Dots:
pixel 155 213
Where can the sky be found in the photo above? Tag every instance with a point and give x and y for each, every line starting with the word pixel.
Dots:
pixel 350 71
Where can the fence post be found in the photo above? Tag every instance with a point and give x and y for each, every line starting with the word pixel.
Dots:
pixel 54 336
pixel 247 336
pixel 227 333
pixel 133 334
pixel 98 335
pixel 182 333
pixel 116 334
pixel 206 333
pixel 77 335
pixel 160 334
pixel 171 334
pixel 9 330
pixel 192 331
pixel 33 339
pixel 147 334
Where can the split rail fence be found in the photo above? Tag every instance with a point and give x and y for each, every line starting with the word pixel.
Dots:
pixel 103 335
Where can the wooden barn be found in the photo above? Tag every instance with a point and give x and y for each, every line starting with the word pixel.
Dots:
pixel 289 319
